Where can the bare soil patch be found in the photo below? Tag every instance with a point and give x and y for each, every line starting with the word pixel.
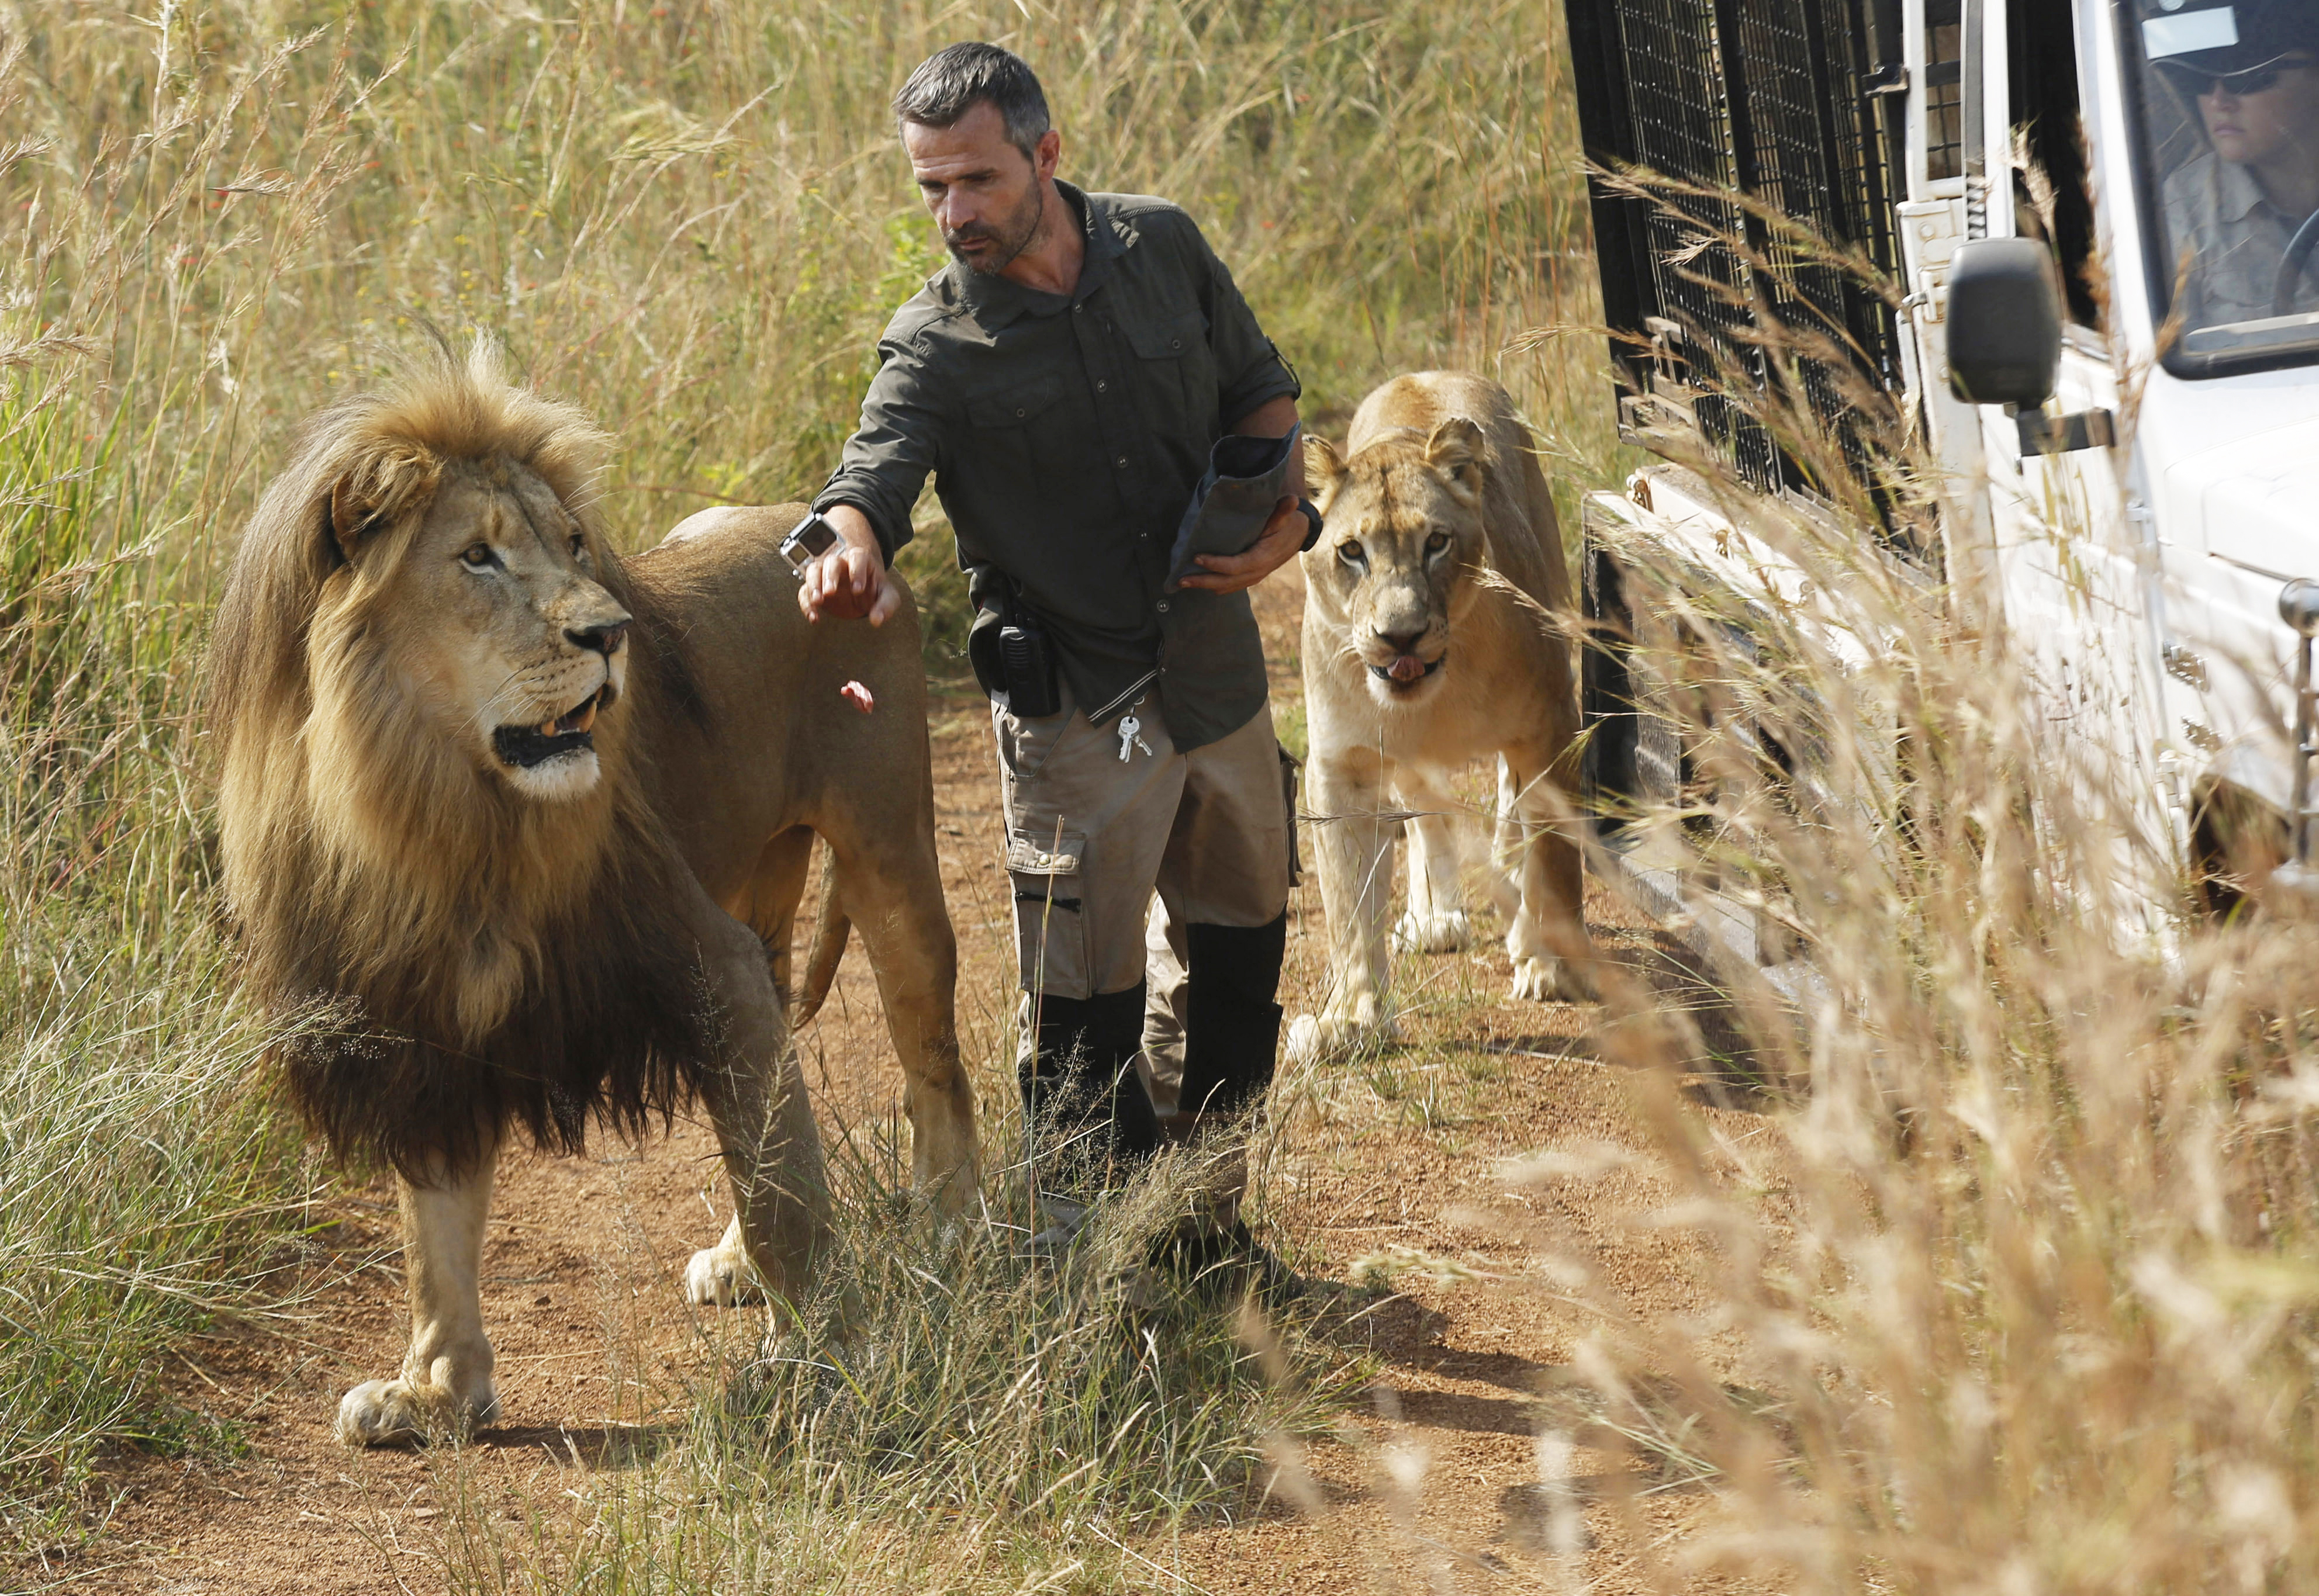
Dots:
pixel 1389 1168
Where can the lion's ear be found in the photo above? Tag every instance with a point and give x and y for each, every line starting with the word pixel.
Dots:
pixel 1455 453
pixel 374 493
pixel 352 512
pixel 1325 470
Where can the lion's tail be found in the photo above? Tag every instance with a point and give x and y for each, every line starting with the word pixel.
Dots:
pixel 830 929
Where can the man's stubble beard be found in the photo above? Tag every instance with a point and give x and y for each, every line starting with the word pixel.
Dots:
pixel 1018 233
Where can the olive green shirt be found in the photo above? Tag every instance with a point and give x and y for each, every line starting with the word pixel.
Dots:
pixel 1066 435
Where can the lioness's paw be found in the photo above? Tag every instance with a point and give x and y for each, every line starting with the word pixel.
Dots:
pixel 1548 980
pixel 1443 931
pixel 716 1278
pixel 1311 1039
pixel 392 1412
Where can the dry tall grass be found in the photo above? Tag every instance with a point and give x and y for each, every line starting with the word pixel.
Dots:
pixel 2021 1295
pixel 688 216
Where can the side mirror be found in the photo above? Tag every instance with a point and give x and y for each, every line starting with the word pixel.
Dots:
pixel 2004 323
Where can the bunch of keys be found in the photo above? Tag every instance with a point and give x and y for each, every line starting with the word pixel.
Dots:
pixel 1129 725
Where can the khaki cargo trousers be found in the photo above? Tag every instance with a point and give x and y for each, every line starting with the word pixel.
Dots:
pixel 1112 978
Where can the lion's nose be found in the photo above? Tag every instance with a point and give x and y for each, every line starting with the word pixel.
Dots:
pixel 1400 642
pixel 605 639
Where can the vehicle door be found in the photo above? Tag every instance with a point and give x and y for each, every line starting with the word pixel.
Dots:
pixel 2074 561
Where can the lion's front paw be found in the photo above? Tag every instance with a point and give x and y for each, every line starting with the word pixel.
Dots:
pixel 392 1413
pixel 1445 931
pixel 1339 1031
pixel 1544 978
pixel 720 1277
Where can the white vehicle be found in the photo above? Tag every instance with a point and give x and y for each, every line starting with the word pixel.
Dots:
pixel 2128 180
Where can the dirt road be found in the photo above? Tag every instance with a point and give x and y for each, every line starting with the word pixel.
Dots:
pixel 1394 1169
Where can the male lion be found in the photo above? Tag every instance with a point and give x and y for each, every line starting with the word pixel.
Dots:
pixel 1431 641
pixel 513 815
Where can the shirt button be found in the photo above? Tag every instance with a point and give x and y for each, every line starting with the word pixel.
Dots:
pixel 1163 606
pixel 1121 462
pixel 1099 387
pixel 1175 343
pixel 1020 412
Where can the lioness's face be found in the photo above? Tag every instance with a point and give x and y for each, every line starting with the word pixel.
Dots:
pixel 502 615
pixel 1403 532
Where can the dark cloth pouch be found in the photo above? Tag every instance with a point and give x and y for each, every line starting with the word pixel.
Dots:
pixel 1245 479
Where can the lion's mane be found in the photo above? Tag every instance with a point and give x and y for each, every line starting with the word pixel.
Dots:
pixel 450 959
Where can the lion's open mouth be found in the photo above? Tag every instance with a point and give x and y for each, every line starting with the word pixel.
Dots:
pixel 1406 670
pixel 569 733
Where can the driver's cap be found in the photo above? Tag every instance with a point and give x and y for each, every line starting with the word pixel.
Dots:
pixel 2243 36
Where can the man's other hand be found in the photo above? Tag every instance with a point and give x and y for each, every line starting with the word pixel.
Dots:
pixel 848 581
pixel 1274 547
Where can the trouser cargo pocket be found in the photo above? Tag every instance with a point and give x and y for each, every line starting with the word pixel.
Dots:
pixel 1050 922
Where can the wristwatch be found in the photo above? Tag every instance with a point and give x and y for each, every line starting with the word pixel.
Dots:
pixel 1312 520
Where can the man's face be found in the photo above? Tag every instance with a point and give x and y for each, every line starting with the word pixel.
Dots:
pixel 2280 120
pixel 985 195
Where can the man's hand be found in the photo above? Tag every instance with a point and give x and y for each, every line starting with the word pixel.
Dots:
pixel 848 581
pixel 1282 536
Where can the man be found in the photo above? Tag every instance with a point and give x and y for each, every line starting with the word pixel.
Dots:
pixel 1064 381
pixel 2254 82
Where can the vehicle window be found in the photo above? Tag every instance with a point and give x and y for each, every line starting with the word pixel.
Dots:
pixel 1944 98
pixel 2051 199
pixel 2228 121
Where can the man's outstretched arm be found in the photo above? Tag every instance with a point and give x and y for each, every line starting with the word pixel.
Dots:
pixel 869 498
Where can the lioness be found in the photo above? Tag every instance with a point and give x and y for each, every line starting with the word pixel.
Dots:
pixel 1429 641
pixel 520 819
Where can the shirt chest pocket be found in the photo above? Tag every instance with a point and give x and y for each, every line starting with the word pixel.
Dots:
pixel 1179 373
pixel 1021 431
pixel 1012 405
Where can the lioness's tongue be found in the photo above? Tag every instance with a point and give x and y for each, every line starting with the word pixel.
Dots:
pixel 1406 667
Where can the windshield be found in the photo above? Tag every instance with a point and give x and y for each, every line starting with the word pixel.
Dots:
pixel 2229 123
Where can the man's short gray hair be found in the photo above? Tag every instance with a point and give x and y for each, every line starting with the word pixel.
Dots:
pixel 952 81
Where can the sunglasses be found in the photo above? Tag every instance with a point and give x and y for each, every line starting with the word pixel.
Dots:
pixel 2238 85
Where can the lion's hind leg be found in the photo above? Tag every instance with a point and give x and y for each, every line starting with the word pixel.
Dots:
pixel 446 1384
pixel 891 886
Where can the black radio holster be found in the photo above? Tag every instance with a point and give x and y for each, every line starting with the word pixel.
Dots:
pixel 1013 658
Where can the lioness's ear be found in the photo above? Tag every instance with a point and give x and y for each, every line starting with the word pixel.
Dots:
pixel 1324 471
pixel 1455 453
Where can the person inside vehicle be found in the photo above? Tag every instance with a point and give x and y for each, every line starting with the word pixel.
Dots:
pixel 2253 84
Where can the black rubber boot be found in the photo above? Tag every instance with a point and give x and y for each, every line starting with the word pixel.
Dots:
pixel 1088 1111
pixel 1231 1025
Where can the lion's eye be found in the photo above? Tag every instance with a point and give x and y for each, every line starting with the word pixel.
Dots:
pixel 1352 554
pixel 479 556
pixel 1436 543
pixel 579 547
